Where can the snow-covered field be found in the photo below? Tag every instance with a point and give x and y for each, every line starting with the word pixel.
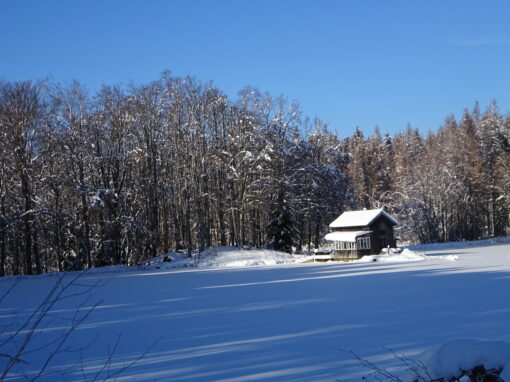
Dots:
pixel 278 321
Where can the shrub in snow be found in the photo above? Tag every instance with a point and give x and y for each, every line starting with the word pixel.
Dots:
pixel 480 374
pixel 462 360
pixel 475 360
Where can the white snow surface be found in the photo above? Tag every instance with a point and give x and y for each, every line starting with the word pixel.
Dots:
pixel 284 322
pixel 359 218
pixel 225 257
pixel 456 356
pixel 404 256
pixel 345 235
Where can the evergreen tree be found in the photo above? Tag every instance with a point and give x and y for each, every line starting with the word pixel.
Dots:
pixel 282 234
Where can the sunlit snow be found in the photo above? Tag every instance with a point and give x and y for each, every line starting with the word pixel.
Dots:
pixel 282 321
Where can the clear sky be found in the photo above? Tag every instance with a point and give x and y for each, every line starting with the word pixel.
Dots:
pixel 351 63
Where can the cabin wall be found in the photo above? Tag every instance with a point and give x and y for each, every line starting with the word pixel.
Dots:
pixel 350 255
pixel 382 235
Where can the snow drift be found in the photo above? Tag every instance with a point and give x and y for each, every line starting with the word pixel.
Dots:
pixel 455 358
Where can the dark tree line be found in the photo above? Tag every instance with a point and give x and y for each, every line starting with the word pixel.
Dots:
pixel 129 173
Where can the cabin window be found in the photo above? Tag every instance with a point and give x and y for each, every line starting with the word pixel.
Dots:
pixel 363 242
pixel 345 245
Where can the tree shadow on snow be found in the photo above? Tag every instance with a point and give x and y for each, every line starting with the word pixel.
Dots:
pixel 289 323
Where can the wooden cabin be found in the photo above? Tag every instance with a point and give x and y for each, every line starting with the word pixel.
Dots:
pixel 359 233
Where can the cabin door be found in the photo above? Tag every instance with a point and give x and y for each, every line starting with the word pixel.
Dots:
pixel 382 243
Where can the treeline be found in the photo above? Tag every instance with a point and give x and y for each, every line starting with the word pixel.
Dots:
pixel 448 186
pixel 128 174
pixel 133 172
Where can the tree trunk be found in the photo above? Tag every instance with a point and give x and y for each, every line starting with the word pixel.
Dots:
pixel 27 223
pixel 221 223
pixel 2 246
pixel 188 228
pixel 36 254
pixel 58 229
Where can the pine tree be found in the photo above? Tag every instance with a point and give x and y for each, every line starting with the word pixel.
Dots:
pixel 493 144
pixel 282 234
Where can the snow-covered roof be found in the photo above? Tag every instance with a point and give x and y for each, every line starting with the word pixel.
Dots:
pixel 345 235
pixel 359 218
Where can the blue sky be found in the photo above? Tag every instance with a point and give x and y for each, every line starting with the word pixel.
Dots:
pixel 351 63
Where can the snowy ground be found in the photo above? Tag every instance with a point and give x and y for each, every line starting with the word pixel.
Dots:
pixel 225 257
pixel 283 322
pixel 233 257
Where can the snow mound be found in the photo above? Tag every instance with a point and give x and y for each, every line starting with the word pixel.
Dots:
pixel 457 356
pixel 228 257
pixel 224 257
pixel 405 256
pixel 447 257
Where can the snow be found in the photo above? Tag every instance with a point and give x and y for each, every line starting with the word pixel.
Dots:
pixel 405 256
pixel 456 356
pixel 284 322
pixel 326 256
pixel 226 257
pixel 359 218
pixel 345 236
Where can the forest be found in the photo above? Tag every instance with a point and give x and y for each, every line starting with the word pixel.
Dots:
pixel 132 172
